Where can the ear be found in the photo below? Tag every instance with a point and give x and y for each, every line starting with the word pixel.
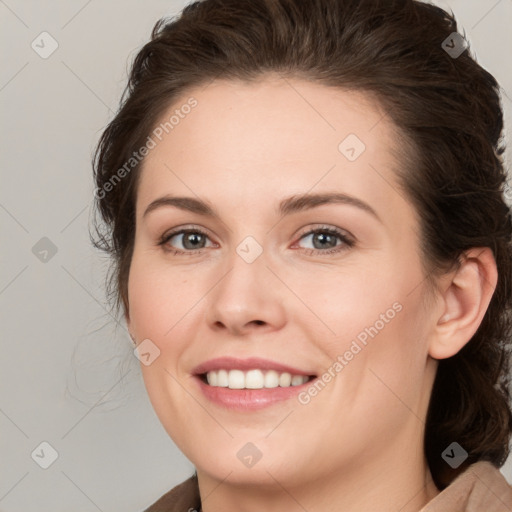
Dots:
pixel 465 295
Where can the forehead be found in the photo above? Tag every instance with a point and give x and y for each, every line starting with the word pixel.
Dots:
pixel 274 137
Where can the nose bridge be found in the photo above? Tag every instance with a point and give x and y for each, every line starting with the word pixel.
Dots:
pixel 247 266
pixel 247 294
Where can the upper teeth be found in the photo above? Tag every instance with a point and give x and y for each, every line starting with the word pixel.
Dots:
pixel 253 379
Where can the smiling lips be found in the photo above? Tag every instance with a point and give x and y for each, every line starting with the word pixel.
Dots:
pixel 249 383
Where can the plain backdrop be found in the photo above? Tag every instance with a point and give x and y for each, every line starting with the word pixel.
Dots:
pixel 68 375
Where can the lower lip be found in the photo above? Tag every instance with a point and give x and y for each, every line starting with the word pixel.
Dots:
pixel 250 399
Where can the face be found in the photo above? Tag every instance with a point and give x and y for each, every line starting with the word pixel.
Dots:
pixel 291 243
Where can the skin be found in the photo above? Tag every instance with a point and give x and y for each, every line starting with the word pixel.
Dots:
pixel 358 444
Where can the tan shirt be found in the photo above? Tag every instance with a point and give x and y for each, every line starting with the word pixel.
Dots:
pixel 481 488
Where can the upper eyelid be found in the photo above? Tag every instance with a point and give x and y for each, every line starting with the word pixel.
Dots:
pixel 182 231
pixel 305 231
pixel 324 227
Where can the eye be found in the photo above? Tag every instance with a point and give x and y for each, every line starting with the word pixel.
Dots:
pixel 326 240
pixel 323 240
pixel 183 241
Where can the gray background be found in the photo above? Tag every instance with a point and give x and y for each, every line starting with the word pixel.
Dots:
pixel 68 374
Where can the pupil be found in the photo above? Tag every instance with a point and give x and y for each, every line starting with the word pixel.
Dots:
pixel 322 237
pixel 194 239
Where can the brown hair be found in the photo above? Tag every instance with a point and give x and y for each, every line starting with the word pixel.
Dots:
pixel 448 110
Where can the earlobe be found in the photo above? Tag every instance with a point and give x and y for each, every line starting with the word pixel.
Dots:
pixel 465 300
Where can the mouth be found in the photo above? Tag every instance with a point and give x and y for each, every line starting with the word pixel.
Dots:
pixel 253 379
pixel 252 390
pixel 250 384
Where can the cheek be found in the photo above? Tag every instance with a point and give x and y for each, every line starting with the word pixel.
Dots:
pixel 373 315
pixel 160 296
pixel 390 373
pixel 353 300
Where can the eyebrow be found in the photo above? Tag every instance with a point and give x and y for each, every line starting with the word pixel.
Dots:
pixel 293 204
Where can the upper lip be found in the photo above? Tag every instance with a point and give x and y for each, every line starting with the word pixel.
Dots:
pixel 251 363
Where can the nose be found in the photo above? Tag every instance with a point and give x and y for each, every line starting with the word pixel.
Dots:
pixel 247 299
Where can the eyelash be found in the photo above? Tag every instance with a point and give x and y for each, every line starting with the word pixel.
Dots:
pixel 347 242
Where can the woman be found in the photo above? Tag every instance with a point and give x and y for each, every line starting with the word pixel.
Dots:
pixel 304 202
